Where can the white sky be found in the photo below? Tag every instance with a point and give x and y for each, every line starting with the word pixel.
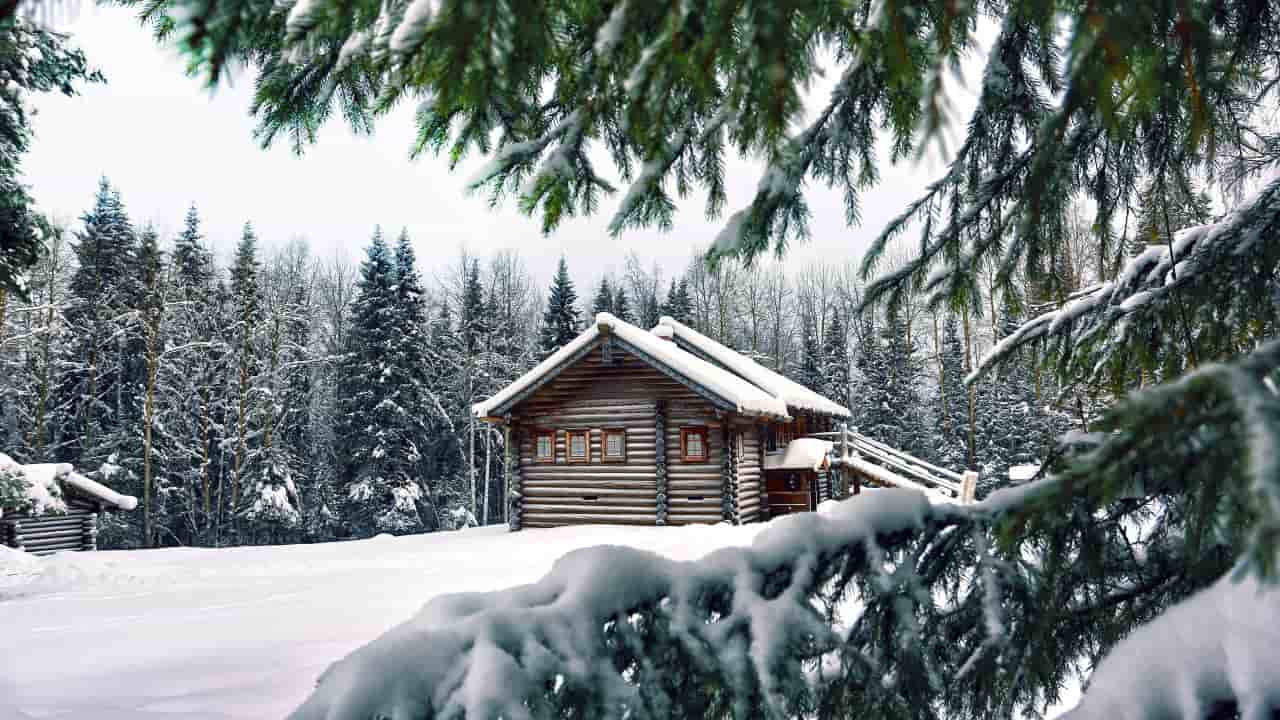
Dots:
pixel 164 141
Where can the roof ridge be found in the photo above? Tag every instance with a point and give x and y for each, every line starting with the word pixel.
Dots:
pixel 771 381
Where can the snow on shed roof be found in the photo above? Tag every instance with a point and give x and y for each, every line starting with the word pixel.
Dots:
pixel 42 480
pixel 98 490
pixel 801 454
pixel 1023 473
pixel 742 395
pixel 789 391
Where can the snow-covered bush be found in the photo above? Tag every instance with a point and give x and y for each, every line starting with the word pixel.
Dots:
pixel 461 517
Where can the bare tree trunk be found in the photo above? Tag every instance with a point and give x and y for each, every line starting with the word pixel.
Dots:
pixel 488 463
pixel 205 461
pixel 92 393
pixel 148 421
pixel 968 366
pixel 942 374
pixel 471 440
pixel 242 428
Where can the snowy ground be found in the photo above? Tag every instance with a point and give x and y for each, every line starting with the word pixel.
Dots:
pixel 242 633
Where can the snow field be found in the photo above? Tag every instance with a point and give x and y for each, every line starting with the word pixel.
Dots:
pixel 202 634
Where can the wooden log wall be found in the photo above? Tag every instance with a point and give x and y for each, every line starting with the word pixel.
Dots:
pixel 654 486
pixel 77 529
pixel 623 392
pixel 695 488
pixel 564 493
pixel 750 480
pixel 824 485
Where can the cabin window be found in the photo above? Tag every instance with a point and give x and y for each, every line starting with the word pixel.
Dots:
pixel 579 448
pixel 615 445
pixel 545 446
pixel 693 444
pixel 771 439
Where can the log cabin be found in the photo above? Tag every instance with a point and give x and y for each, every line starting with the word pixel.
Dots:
pixel 55 507
pixel 657 427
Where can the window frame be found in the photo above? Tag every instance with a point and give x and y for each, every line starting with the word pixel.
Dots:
pixel 604 445
pixel 586 446
pixel 701 432
pixel 539 458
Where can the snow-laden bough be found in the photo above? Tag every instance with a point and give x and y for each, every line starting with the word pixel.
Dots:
pixel 484 655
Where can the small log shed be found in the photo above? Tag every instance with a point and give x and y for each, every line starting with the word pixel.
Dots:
pixel 55 508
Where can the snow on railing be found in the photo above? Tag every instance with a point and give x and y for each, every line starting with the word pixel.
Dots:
pixel 891 466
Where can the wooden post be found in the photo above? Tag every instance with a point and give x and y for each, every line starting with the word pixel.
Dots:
pixel 506 467
pixel 514 489
pixel 660 458
pixel 969 486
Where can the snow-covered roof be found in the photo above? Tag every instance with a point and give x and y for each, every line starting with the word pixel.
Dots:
pixel 98 490
pixel 1022 473
pixel 737 392
pixel 45 481
pixel 785 389
pixel 801 454
pixel 37 488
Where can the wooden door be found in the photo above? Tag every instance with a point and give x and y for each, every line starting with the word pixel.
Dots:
pixel 789 491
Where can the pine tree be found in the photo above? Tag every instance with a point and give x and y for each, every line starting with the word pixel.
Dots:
pixel 246 300
pixel 102 289
pixel 473 319
pixel 560 321
pixel 191 385
pixel 33 59
pixel 192 262
pixel 275 471
pixel 835 361
pixel 891 383
pixel 1015 429
pixel 603 301
pixel 622 306
pixel 809 371
pixel 412 363
pixel 380 483
pixel 678 305
pixel 951 409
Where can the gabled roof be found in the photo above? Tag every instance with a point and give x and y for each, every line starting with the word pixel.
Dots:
pixel 731 391
pixel 789 391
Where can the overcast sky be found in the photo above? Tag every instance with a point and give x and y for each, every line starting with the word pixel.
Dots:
pixel 164 142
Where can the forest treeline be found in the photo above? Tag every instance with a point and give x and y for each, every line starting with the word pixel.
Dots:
pixel 279 397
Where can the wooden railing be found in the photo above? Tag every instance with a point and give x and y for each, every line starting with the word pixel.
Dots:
pixel 860 454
